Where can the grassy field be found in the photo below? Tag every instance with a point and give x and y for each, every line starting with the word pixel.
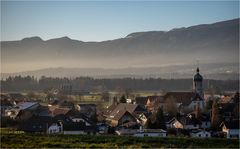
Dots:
pixel 11 140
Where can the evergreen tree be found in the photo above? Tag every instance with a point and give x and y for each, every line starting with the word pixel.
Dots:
pixel 123 99
pixel 148 124
pixel 159 120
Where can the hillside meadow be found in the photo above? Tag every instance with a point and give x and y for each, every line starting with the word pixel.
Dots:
pixel 23 140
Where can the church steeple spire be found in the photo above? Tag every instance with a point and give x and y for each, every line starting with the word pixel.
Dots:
pixel 197 70
pixel 198 79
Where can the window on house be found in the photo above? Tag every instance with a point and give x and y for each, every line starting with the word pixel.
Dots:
pixel 199 135
pixel 206 135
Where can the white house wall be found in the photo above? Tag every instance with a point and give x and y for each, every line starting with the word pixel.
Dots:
pixel 144 134
pixel 54 129
pixel 233 133
pixel 201 134
pixel 74 132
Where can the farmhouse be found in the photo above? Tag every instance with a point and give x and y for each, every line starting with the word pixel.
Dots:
pixel 185 122
pixel 231 129
pixel 121 118
pixel 123 114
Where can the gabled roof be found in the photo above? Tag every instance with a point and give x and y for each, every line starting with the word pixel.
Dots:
pixel 180 97
pixel 131 108
pixel 117 116
pixel 110 109
pixel 26 105
pixel 154 98
pixel 42 111
pixel 57 111
pixel 188 120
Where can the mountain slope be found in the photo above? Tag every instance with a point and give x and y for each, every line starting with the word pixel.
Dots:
pixel 209 43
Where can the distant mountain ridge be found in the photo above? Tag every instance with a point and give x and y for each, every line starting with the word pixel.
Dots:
pixel 208 43
pixel 218 71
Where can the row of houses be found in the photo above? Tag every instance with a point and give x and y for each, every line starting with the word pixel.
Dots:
pixel 124 118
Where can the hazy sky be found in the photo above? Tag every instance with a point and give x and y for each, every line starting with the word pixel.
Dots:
pixel 98 21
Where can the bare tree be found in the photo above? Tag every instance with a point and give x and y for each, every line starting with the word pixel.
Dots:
pixel 215 114
pixel 198 111
pixel 171 106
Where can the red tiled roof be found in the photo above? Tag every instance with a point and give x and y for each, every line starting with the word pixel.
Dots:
pixel 57 111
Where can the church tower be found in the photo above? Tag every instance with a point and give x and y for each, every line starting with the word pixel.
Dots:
pixel 198 83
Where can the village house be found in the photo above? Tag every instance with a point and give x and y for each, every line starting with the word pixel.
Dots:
pixel 121 118
pixel 42 124
pixel 185 122
pixel 230 129
pixel 87 109
pixel 22 111
pixel 123 114
pixel 149 102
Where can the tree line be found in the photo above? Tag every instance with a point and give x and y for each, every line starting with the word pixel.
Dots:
pixel 29 83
